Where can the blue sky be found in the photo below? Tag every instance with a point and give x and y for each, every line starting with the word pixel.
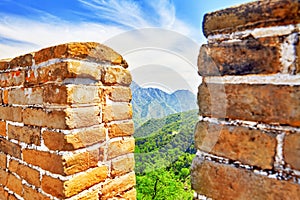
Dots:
pixel 29 25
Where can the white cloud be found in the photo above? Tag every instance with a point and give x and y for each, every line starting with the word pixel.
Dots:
pixel 117 16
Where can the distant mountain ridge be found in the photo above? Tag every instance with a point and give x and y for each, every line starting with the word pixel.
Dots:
pixel 153 103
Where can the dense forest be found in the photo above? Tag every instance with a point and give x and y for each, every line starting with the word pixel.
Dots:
pixel 164 152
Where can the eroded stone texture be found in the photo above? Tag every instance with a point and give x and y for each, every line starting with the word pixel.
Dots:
pixel 250 56
pixel 252 15
pixel 262 103
pixel 251 147
pixel 291 150
pixel 219 181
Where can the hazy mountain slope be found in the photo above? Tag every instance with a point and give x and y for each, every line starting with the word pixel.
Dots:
pixel 154 103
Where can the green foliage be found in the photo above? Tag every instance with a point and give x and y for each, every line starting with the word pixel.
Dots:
pixel 163 157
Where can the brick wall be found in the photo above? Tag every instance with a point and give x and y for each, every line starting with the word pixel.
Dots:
pixel 248 135
pixel 65 125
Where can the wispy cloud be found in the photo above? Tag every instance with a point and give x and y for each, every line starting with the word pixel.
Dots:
pixel 104 23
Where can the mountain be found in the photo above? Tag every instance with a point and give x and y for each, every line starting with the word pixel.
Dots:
pixel 154 103
pixel 164 150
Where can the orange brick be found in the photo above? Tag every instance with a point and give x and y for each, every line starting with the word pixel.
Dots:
pixel 255 102
pixel 86 51
pixel 2 161
pixel 45 160
pixel 131 194
pixel 117 186
pixel 68 118
pixel 117 76
pixel 11 113
pixel 12 197
pixel 251 56
pixel 27 134
pixel 5 97
pixel 10 148
pixel 15 184
pixel 14 78
pixel 55 72
pixel 251 15
pixel 118 93
pixel 122 165
pixel 44 118
pixel 74 185
pixel 218 181
pixel 120 147
pixel 252 147
pixel 87 195
pixel 121 129
pixel 81 161
pixel 3 177
pixel 3 128
pixel 117 111
pixel 4 64
pixel 291 150
pixel 32 194
pixel 21 61
pixel 25 96
pixel 30 175
pixel 3 194
pixel 1 96
pixel 75 140
pixel 71 94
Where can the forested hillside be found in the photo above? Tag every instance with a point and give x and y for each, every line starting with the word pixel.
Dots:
pixel 164 152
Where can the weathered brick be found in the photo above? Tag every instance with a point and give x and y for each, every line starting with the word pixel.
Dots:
pixel 262 103
pixel 25 96
pixel 45 160
pixel 131 194
pixel 70 94
pixel 220 181
pixel 117 111
pixel 45 118
pixel 30 175
pixel 252 15
pixel 298 57
pixel 3 193
pixel 21 61
pixel 4 63
pixel 27 134
pixel 252 147
pixel 87 51
pixel 74 185
pixel 77 139
pixel 14 184
pixel 83 117
pixel 291 150
pixel 3 177
pixel 79 162
pixel 5 96
pixel 33 194
pixel 122 165
pixel 120 147
pixel 120 129
pixel 117 93
pixel 116 75
pixel 2 128
pixel 12 197
pixel 251 56
pixel 87 195
pixel 11 113
pixel 10 148
pixel 14 78
pixel 2 161
pixel 64 72
pixel 1 97
pixel 62 118
pixel 118 185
